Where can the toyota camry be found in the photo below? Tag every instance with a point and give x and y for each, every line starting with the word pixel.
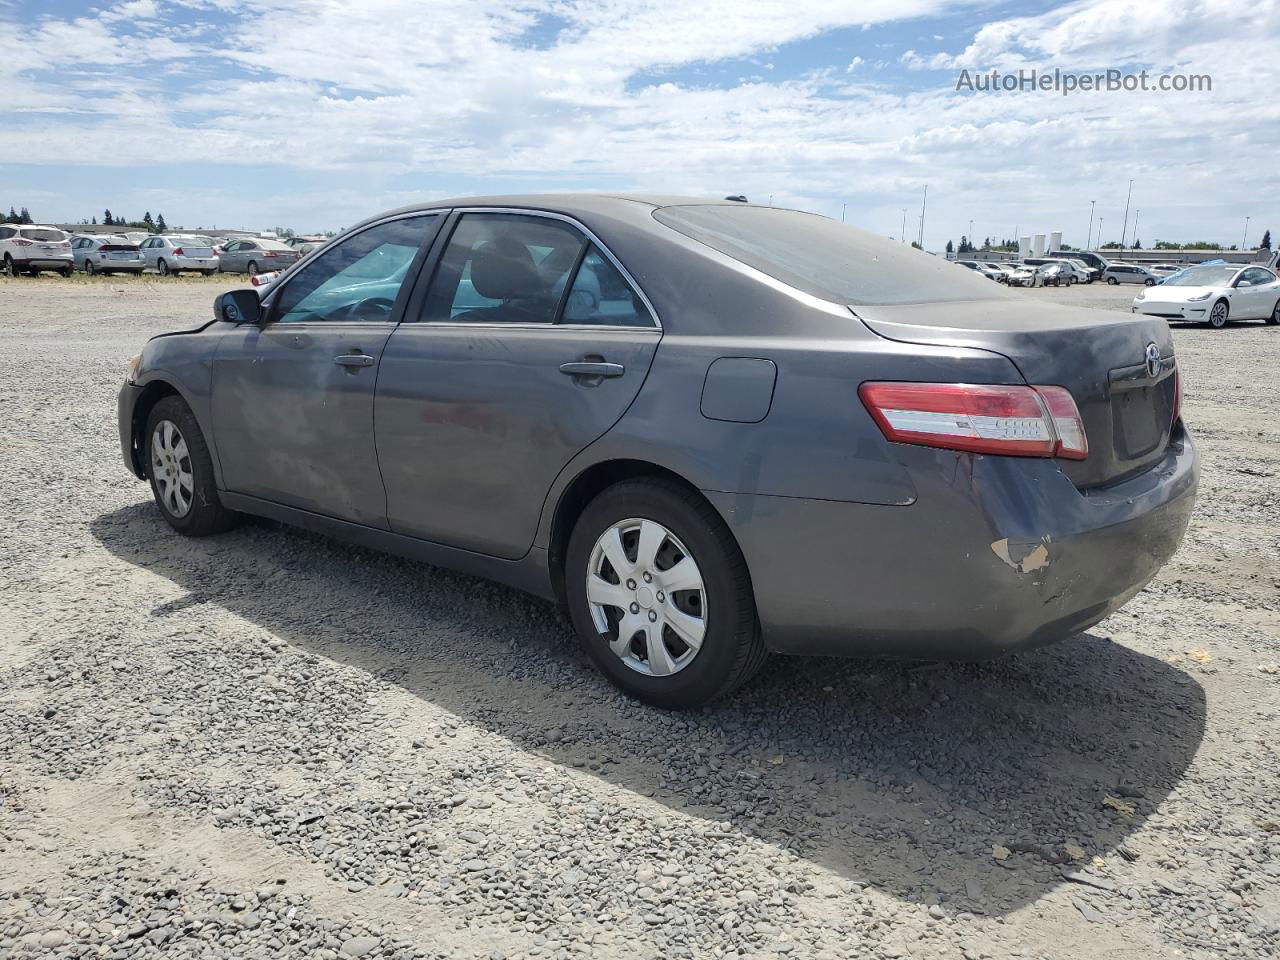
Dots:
pixel 712 430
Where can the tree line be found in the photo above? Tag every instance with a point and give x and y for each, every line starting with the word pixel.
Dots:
pixel 151 225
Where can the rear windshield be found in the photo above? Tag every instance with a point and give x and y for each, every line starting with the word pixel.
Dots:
pixel 191 241
pixel 273 245
pixel 47 236
pixel 827 259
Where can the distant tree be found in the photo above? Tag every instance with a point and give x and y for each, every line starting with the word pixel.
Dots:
pixel 986 243
pixel 12 216
pixel 1066 246
pixel 25 216
pixel 148 222
pixel 93 220
pixel 1232 247
pixel 1266 241
pixel 1113 245
pixel 107 219
pixel 1168 245
pixel 161 226
pixel 1137 244
pixel 951 247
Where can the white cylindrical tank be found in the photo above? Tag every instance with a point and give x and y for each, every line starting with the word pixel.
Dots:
pixel 1037 245
pixel 1055 240
pixel 1024 247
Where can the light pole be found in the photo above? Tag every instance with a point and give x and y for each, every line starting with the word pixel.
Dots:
pixel 924 203
pixel 1135 225
pixel 1099 246
pixel 843 207
pixel 1125 228
pixel 971 235
pixel 1088 237
pixel 1246 233
pixel 902 238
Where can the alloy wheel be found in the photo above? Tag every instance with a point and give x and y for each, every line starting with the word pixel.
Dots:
pixel 1218 315
pixel 171 468
pixel 646 597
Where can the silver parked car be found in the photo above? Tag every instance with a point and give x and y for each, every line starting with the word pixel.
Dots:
pixel 257 256
pixel 170 255
pixel 711 429
pixel 107 255
pixel 1130 273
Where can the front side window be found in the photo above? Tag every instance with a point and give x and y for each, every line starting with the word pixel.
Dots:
pixel 600 294
pixel 503 268
pixel 357 279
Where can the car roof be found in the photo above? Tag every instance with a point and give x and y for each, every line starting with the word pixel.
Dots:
pixel 638 206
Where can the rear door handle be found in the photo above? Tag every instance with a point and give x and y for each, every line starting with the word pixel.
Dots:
pixel 354 360
pixel 590 368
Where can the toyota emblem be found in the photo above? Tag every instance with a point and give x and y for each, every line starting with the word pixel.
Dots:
pixel 1153 360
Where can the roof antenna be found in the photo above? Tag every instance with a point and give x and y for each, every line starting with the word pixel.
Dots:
pixel 738 198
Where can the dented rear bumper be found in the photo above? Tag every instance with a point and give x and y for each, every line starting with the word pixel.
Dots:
pixel 995 554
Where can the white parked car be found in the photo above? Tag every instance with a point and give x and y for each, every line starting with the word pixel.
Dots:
pixel 1024 276
pixel 984 268
pixel 30 248
pixel 169 255
pixel 1218 293
pixel 107 255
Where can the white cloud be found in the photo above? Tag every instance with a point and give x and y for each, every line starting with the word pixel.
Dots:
pixel 386 94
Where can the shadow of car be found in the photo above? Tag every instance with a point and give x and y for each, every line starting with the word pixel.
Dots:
pixel 900 775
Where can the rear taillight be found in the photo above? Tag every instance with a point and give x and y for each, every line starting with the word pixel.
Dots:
pixel 268 253
pixel 19 242
pixel 979 418
pixel 1177 392
pixel 178 252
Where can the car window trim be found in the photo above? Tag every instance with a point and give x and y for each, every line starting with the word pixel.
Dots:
pixel 402 296
pixel 455 214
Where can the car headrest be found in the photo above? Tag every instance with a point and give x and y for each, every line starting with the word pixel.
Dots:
pixel 502 269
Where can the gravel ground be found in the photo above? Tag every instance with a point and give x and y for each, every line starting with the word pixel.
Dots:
pixel 268 744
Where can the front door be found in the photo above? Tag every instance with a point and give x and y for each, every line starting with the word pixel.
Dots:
pixel 293 398
pixel 529 345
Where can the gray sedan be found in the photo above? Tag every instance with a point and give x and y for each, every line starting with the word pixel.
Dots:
pixel 713 430
pixel 107 255
pixel 256 256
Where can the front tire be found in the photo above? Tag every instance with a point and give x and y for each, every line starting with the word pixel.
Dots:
pixel 181 471
pixel 1218 315
pixel 1148 282
pixel 10 268
pixel 1274 319
pixel 660 595
pixel 1112 280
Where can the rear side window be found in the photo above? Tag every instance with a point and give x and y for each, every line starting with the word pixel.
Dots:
pixel 600 294
pixel 503 268
pixel 48 236
pixel 826 259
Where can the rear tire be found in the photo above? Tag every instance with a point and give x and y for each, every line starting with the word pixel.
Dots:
pixel 1274 319
pixel 89 268
pixel 1218 315
pixel 66 272
pixel 730 649
pixel 181 471
pixel 1148 282
pixel 10 268
pixel 252 268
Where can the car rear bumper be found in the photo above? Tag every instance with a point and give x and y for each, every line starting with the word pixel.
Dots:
pixel 995 554
pixel 44 263
pixel 192 263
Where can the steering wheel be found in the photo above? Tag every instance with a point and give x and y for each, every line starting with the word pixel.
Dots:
pixel 370 308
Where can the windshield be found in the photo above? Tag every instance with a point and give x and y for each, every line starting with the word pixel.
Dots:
pixel 1203 277
pixel 824 258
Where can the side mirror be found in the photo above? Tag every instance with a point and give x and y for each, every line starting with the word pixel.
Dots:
pixel 238 306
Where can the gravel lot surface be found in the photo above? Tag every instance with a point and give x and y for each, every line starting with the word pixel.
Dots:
pixel 267 744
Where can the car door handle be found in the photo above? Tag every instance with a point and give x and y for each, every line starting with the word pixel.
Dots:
pixel 590 368
pixel 354 360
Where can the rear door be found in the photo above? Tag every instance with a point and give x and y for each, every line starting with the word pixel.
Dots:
pixel 529 344
pixel 293 398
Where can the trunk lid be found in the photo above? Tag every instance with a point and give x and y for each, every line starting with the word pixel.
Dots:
pixel 1100 356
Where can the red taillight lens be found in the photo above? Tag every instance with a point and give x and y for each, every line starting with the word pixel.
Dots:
pixel 979 418
pixel 19 242
pixel 268 253
pixel 177 252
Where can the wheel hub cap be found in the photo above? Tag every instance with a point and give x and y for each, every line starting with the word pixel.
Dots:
pixel 646 597
pixel 171 468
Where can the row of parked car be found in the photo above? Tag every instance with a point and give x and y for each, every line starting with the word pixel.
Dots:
pixel 32 249
pixel 1063 268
